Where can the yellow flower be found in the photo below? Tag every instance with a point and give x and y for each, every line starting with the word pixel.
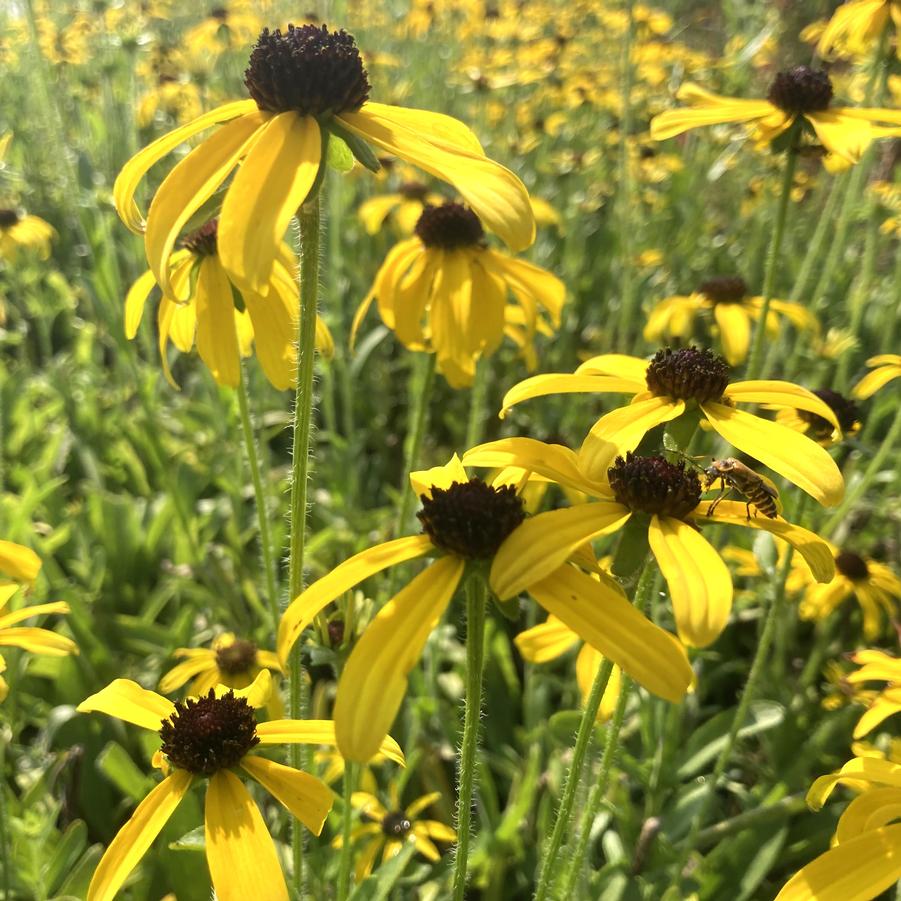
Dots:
pixel 207 738
pixel 876 666
pixel 230 661
pixel 374 679
pixel 225 333
pixel 333 765
pixel 801 95
pixel 405 206
pixel 386 830
pixel 822 431
pixel 445 291
pixel 552 639
pixel 684 381
pixel 228 27
pixel 306 84
pixel 734 311
pixel 859 24
pixel 699 581
pixel 888 367
pixel 19 230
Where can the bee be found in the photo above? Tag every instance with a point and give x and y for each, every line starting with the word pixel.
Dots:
pixel 757 489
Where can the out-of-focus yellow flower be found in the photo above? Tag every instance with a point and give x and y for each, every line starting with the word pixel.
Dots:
pixel 230 26
pixel 177 99
pixel 876 666
pixel 887 369
pixel 404 206
pixel 823 432
pixel 858 25
pixel 19 230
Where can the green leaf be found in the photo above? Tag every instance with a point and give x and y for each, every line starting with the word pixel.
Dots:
pixel 378 886
pixel 195 840
pixel 116 764
pixel 71 846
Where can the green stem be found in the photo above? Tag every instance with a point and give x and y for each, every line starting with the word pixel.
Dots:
pixel 476 423
pixel 824 228
pixel 772 258
pixel 476 599
pixel 346 857
pixel 564 813
pixel 259 492
pixel 771 813
pixel 5 856
pixel 308 219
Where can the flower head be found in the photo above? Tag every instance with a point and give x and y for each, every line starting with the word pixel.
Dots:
pixel 21 231
pixel 821 430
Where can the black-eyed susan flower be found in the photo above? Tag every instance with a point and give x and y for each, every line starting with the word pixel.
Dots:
pixel 552 639
pixel 230 661
pixel 821 430
pixel 691 381
pixel 733 309
pixel 799 95
pixel 404 206
pixel 386 830
pixel 872 584
pixel 886 368
pixel 229 26
pixel 226 327
pixel 875 666
pixel 444 291
pixel 465 521
pixel 859 24
pixel 21 231
pixel 668 497
pixel 305 84
pixel 209 738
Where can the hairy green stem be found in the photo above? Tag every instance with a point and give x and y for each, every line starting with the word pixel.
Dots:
pixel 308 219
pixel 259 491
pixel 477 397
pixel 476 600
pixel 345 860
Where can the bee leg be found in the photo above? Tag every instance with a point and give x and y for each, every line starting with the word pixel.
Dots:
pixel 723 492
pixel 748 511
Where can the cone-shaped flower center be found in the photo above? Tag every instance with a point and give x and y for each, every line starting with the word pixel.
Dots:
pixel 846 412
pixel 396 824
pixel 852 566
pixel 471 519
pixel 311 70
pixel 202 242
pixel 654 485
pixel 413 190
pixel 220 13
pixel 724 289
pixel 449 227
pixel 237 657
pixel 801 90
pixel 8 218
pixel 687 374
pixel 208 734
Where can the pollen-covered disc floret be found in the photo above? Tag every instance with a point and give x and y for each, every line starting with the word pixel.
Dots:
pixel 309 69
pixel 396 824
pixel 846 412
pixel 449 227
pixel 471 519
pixel 654 485
pixel 801 90
pixel 852 566
pixel 208 734
pixel 724 289
pixel 237 657
pixel 8 218
pixel 687 374
pixel 203 241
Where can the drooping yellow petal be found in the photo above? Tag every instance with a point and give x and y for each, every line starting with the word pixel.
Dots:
pixel 431 125
pixel 546 641
pixel 424 480
pixel 846 137
pixel 780 394
pixel 496 195
pixel 622 366
pixel 307 797
pixel 875 808
pixel 274 321
pixel 256 693
pixel 316 732
pixel 137 835
pixel 588 663
pixel 609 623
pixel 269 187
pixel 706 108
pixel 374 680
pixel 527 278
pixel 18 562
pixel 889 369
pixel 135 301
pixel 792 455
pixel 885 705
pixel 563 383
pixel 857 771
pixel 187 669
pixel 342 578
pixel 23 613
pixel 239 850
pixel 217 337
pixel 540 545
pixel 735 331
pixel 375 210
pixel 126 700
pixel 38 641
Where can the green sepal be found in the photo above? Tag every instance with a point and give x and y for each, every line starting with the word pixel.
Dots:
pixel 357 146
pixel 509 609
pixel 339 156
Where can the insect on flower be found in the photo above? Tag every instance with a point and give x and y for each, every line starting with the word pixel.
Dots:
pixel 733 475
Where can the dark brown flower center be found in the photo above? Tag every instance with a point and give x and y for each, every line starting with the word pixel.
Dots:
pixel 654 485
pixel 396 824
pixel 208 734
pixel 336 632
pixel 687 374
pixel 852 566
pixel 471 519
pixel 724 289
pixel 801 90
pixel 449 226
pixel 220 14
pixel 311 70
pixel 413 190
pixel 237 657
pixel 8 218
pixel 202 242
pixel 846 412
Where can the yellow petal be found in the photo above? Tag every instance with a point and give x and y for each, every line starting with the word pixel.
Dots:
pixel 564 383
pixel 217 337
pixel 709 109
pixel 735 331
pixel 607 621
pixel 126 700
pixel 425 480
pixel 546 641
pixel 792 455
pixel 588 662
pixel 875 380
pixel 239 850
pixel 527 278
pixel 374 680
pixel 257 693
pixel 435 126
pixel 134 302
pixel 137 835
pixel 857 771
pixel 274 321
pixel 18 562
pixel 316 732
pixel 38 641
pixel 269 187
pixel 623 366
pixel 375 210
pixel 307 797
pixel 543 543
pixel 885 705
pixel 16 616
pixel 875 808
pixel 780 394
pixel 342 578
pixel 187 669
